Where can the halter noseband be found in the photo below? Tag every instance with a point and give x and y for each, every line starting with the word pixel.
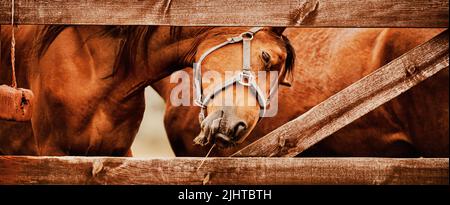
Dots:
pixel 245 77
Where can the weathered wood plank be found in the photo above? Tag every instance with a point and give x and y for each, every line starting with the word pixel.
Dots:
pixel 112 170
pixel 354 101
pixel 310 13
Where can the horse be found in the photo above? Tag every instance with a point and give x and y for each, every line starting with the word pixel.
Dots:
pixel 328 60
pixel 88 81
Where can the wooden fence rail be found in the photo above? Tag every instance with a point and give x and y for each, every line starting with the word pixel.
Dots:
pixel 309 13
pixel 353 102
pixel 121 170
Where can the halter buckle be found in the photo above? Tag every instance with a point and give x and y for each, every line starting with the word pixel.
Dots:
pixel 245 78
pixel 246 35
pixel 243 36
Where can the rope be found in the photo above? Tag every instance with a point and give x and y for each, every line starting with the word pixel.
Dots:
pixel 203 161
pixel 13 48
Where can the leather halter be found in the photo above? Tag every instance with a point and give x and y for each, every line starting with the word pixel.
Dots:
pixel 245 77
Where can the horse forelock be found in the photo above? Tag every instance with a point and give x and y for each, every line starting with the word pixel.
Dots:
pixel 205 32
pixel 290 57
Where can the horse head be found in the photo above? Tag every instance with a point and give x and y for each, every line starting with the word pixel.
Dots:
pixel 228 83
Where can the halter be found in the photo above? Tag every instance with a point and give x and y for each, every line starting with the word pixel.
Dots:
pixel 245 77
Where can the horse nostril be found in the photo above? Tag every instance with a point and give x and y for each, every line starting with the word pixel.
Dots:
pixel 239 128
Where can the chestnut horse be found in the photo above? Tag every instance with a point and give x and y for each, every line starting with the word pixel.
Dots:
pixel 88 81
pixel 328 60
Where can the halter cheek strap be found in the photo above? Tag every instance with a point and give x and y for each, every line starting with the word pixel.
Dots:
pixel 245 77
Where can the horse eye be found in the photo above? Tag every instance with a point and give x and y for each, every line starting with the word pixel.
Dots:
pixel 265 57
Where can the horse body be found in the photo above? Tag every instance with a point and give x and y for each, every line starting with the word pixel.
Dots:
pixel 328 60
pixel 88 101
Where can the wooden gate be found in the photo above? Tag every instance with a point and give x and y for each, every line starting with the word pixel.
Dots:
pixel 251 165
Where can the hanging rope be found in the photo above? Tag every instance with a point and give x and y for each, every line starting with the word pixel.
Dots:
pixel 15 103
pixel 13 49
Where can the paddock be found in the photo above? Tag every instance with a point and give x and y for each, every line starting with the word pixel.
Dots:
pixel 269 160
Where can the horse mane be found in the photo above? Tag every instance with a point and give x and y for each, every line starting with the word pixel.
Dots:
pixel 131 37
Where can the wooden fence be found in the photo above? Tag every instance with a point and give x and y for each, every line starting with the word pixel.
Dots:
pixel 288 140
pixel 263 170
pixel 311 13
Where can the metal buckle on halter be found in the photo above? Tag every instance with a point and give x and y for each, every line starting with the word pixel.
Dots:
pixel 243 36
pixel 245 75
pixel 246 35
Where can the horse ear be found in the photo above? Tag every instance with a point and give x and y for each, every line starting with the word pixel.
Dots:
pixel 278 30
pixel 285 78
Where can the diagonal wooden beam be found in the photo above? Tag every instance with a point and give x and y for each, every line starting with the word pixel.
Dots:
pixel 309 13
pixel 354 101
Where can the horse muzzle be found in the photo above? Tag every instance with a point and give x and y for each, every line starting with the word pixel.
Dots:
pixel 223 129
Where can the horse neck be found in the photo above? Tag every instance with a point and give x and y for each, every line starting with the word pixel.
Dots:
pixel 164 86
pixel 168 53
pixel 164 58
